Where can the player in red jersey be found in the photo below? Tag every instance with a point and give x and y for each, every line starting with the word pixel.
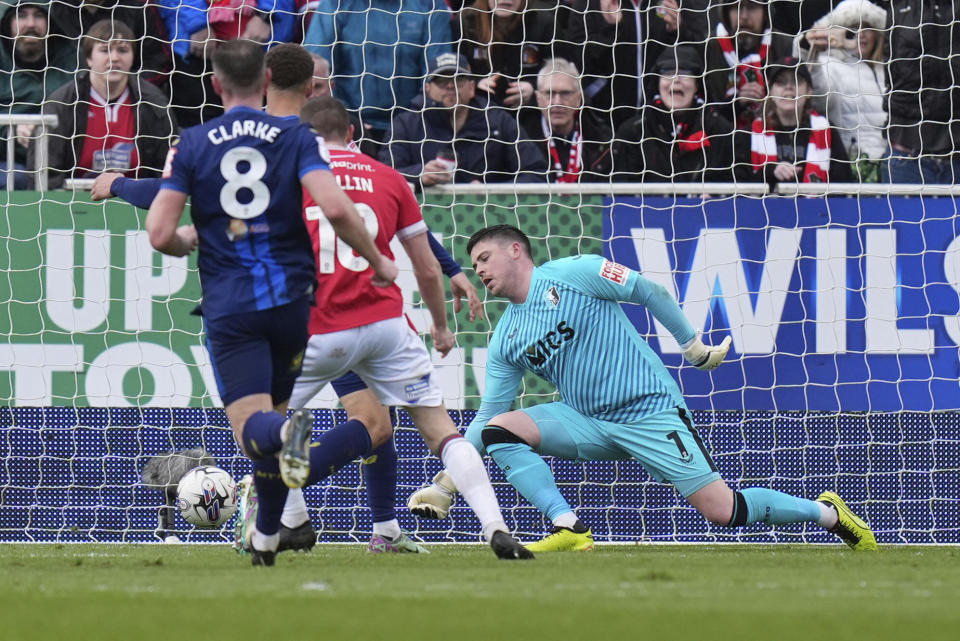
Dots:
pixel 362 329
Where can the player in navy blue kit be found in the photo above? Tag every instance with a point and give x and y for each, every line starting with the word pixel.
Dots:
pixel 291 70
pixel 244 173
pixel 564 323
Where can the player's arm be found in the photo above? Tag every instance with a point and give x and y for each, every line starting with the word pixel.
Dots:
pixel 605 279
pixel 162 224
pixel 500 389
pixel 139 192
pixel 460 285
pixel 426 270
pixel 346 222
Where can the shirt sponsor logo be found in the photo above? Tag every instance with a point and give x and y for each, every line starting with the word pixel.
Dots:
pixel 539 352
pixel 418 389
pixel 236 230
pixel 614 272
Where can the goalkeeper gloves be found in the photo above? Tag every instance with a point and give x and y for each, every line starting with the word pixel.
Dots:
pixel 705 357
pixel 435 500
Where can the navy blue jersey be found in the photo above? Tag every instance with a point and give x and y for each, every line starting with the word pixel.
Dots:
pixel 242 172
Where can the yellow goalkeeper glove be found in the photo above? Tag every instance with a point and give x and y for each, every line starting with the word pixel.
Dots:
pixel 435 500
pixel 705 357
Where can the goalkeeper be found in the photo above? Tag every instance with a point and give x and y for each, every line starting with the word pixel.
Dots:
pixel 565 325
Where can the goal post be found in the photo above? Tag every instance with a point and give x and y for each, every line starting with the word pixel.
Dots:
pixel 842 374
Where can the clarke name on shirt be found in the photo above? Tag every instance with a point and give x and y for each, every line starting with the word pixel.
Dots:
pixel 255 128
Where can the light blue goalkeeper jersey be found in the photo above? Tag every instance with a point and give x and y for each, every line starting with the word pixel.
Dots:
pixel 572 332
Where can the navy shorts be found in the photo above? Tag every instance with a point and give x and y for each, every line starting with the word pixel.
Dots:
pixel 348 384
pixel 258 352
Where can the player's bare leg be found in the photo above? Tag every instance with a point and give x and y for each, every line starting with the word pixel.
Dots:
pixel 242 409
pixel 465 467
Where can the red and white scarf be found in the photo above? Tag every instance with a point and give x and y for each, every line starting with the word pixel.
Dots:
pixel 574 160
pixel 763 148
pixel 750 62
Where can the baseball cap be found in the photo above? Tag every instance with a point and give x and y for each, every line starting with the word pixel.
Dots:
pixel 448 64
pixel 790 65
pixel 682 58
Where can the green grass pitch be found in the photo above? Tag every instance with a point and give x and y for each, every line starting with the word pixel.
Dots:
pixel 461 592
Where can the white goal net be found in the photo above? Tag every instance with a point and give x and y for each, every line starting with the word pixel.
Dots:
pixel 819 232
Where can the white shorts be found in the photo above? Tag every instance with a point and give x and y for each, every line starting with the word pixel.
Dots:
pixel 388 355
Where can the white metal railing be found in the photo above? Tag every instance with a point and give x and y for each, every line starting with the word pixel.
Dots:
pixel 670 189
pixel 698 189
pixel 44 122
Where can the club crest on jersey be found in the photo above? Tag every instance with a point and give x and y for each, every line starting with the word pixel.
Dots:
pixel 614 272
pixel 552 296
pixel 539 352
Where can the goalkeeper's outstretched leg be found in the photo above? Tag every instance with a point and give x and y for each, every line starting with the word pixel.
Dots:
pixel 554 430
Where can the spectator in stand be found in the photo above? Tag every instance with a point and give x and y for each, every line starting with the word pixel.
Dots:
pixel 322 83
pixel 676 138
pixel 506 43
pixel 790 142
pixel 458 137
pixel 575 140
pixel 924 81
pixel 108 119
pixel 847 64
pixel 152 51
pixel 323 86
pixel 379 51
pixel 793 17
pixel 32 67
pixel 196 27
pixel 737 54
pixel 606 34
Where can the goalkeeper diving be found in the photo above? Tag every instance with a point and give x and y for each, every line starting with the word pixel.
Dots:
pixel 564 323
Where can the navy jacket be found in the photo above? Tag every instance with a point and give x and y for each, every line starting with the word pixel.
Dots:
pixel 490 147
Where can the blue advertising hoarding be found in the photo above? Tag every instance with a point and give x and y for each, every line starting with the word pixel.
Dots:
pixel 836 304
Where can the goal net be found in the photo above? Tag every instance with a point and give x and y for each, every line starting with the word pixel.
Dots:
pixel 842 300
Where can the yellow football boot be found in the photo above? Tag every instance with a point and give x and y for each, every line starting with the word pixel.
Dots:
pixel 851 528
pixel 563 540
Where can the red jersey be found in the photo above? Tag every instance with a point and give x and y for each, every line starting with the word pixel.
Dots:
pixel 108 143
pixel 345 296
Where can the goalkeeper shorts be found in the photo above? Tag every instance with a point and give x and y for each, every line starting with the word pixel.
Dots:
pixel 666 443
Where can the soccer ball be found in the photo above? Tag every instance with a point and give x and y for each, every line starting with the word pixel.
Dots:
pixel 206 497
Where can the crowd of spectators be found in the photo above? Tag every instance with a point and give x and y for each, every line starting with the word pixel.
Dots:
pixel 486 91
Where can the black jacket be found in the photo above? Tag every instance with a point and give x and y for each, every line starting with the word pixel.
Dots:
pixel 155 125
pixel 692 145
pixel 522 52
pixel 720 76
pixel 597 161
pixel 607 54
pixel 923 75
pixel 489 147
